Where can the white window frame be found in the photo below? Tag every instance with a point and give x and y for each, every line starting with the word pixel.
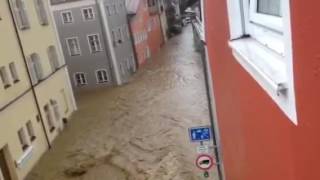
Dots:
pixel 41 12
pixel 108 9
pixel 78 42
pixel 71 17
pixel 24 142
pixel 84 81
pixel 105 79
pixel 99 45
pixel 5 79
pixel 14 72
pixel 263 47
pixel 21 14
pixel 91 17
pixel 31 131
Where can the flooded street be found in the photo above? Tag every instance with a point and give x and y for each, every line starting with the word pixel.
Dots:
pixel 140 130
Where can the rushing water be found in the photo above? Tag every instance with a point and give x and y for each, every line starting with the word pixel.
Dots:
pixel 137 131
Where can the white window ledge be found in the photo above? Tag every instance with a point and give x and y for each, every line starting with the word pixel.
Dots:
pixel 264 65
pixel 24 158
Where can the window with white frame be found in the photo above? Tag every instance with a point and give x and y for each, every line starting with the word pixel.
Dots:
pixel 5 77
pixel 14 72
pixel 53 58
pixel 35 68
pixel 80 79
pixel 41 12
pixel 109 12
pixel 23 139
pixel 73 46
pixel 114 7
pixel 102 76
pixel 56 109
pixel 114 38
pixel 20 12
pixel 120 37
pixel 30 130
pixel 67 17
pixel 94 43
pixel 49 117
pixel 88 14
pixel 260 33
pixel 127 32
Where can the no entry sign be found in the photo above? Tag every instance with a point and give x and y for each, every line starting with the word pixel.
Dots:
pixel 204 162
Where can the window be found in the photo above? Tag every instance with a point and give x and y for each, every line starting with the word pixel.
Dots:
pixel 20 13
pixel 35 68
pixel 53 58
pixel 4 77
pixel 65 100
pixel 88 14
pixel 148 53
pixel 128 32
pixel 73 46
pixel 41 11
pixel 109 12
pixel 56 109
pixel 102 76
pixel 23 139
pixel 120 38
pixel 67 17
pixel 114 38
pixel 94 43
pixel 48 115
pixel 30 131
pixel 261 42
pixel 80 79
pixel 114 6
pixel 14 73
pixel 149 25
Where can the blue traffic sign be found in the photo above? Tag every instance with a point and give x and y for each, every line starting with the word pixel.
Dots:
pixel 200 134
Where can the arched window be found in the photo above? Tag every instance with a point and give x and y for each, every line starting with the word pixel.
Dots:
pixel 41 11
pixel 53 57
pixel 102 76
pixel 21 14
pixel 80 79
pixel 35 68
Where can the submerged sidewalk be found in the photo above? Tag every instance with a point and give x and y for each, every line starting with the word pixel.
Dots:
pixel 137 131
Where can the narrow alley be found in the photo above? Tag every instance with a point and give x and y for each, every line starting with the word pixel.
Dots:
pixel 137 131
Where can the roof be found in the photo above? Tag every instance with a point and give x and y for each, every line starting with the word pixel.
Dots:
pixel 132 6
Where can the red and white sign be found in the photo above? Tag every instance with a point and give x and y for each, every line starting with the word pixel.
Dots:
pixel 204 162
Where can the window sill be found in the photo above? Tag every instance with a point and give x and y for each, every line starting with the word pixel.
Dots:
pixel 25 157
pixel 7 86
pixel 264 65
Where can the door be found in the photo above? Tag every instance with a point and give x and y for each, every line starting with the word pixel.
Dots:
pixel 4 170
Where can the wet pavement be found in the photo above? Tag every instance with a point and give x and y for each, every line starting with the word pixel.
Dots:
pixel 138 131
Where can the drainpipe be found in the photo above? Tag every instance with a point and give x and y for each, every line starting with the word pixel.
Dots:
pixel 107 38
pixel 29 76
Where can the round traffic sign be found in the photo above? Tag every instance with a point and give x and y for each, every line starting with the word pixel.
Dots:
pixel 204 162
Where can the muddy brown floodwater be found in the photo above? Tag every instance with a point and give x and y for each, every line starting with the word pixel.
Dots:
pixel 138 131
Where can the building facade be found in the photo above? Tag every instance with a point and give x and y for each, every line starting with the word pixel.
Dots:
pixel 96 42
pixel 36 97
pixel 138 17
pixel 265 72
pixel 145 27
pixel 155 31
pixel 162 8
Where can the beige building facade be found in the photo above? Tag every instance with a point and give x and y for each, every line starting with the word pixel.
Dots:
pixel 36 97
